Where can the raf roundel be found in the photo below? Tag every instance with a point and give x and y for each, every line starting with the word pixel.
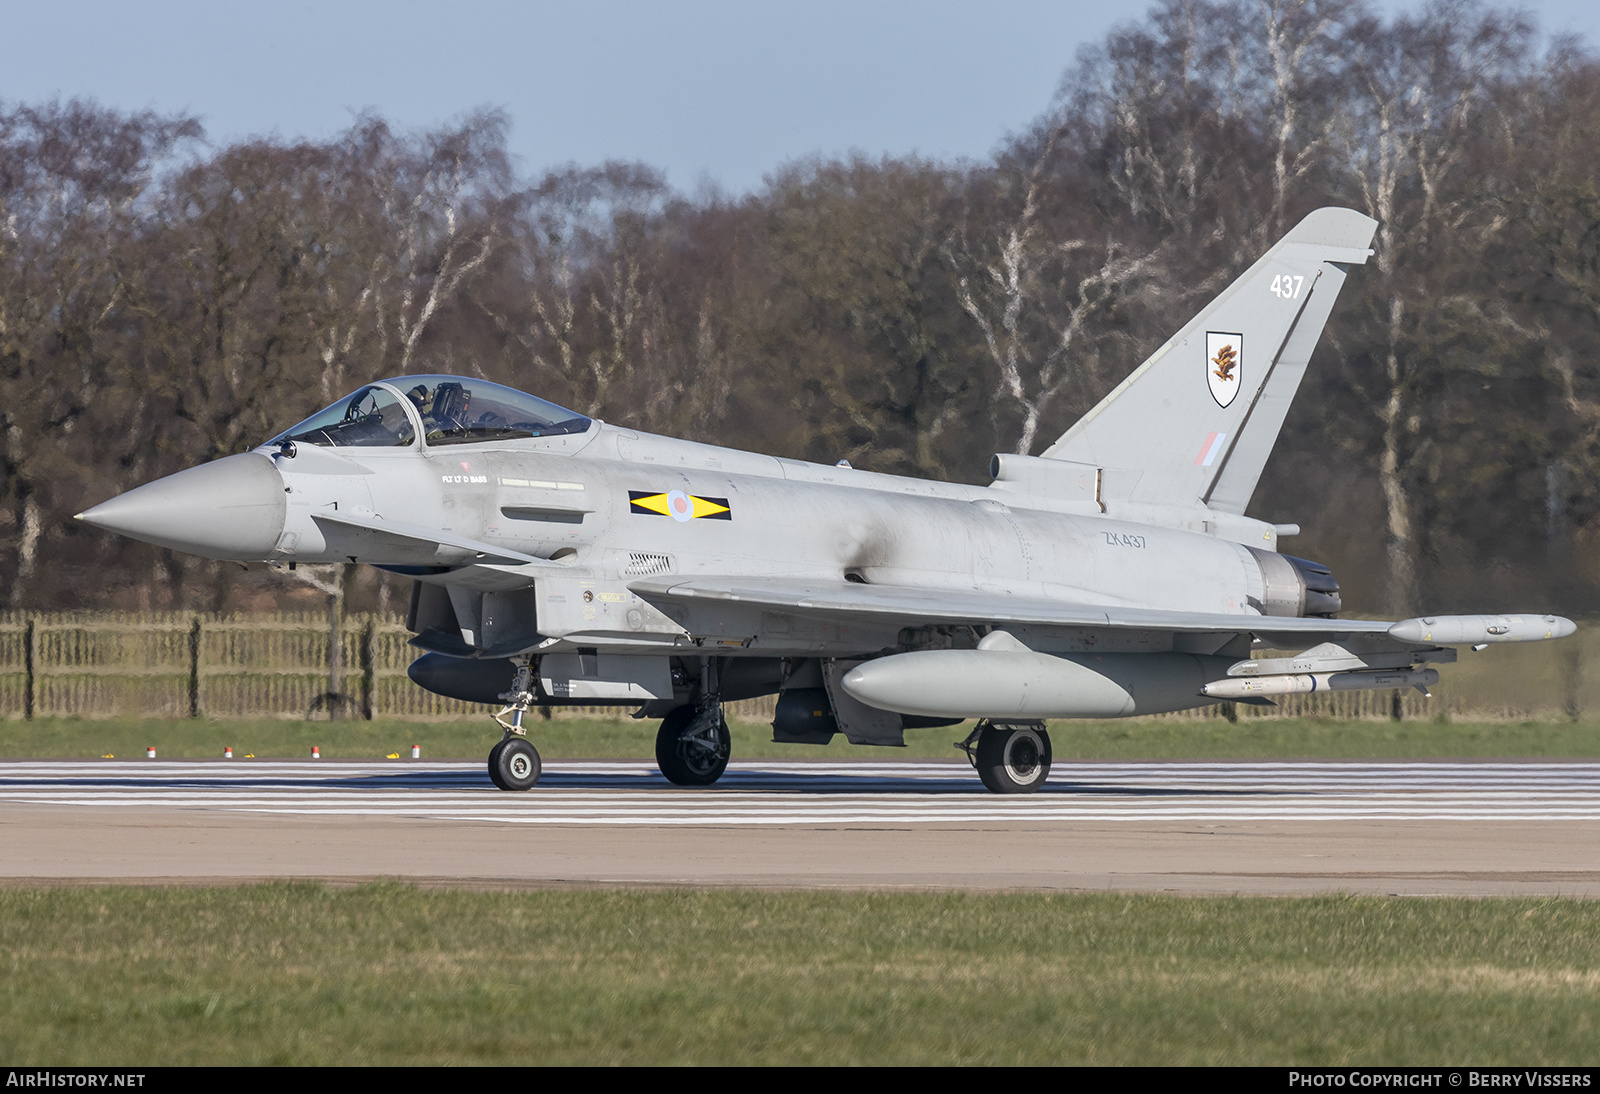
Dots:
pixel 678 505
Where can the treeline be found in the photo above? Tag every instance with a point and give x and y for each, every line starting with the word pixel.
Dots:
pixel 164 301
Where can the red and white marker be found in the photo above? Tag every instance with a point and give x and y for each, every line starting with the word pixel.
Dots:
pixel 416 752
pixel 150 752
pixel 227 752
pixel 316 753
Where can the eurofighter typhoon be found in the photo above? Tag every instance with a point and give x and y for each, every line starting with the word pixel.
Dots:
pixel 559 559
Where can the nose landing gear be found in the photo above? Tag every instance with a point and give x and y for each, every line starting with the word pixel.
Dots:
pixel 514 762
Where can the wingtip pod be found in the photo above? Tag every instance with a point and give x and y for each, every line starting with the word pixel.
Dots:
pixel 1449 630
pixel 1336 229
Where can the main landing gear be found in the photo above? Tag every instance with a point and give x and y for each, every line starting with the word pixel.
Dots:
pixel 1011 757
pixel 692 745
pixel 514 762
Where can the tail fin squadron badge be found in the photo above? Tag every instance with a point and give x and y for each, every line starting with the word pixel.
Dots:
pixel 1224 364
pixel 679 506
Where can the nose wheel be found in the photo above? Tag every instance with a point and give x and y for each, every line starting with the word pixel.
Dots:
pixel 514 764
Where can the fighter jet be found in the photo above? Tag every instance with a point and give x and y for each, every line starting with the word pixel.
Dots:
pixel 557 559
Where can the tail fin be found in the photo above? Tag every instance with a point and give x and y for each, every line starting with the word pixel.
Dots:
pixel 1195 423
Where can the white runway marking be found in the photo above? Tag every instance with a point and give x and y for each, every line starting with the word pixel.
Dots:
pixel 829 793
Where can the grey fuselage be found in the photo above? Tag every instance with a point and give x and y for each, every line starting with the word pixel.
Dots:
pixel 567 499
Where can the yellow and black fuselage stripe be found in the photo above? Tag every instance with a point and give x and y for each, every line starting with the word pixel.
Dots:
pixel 679 506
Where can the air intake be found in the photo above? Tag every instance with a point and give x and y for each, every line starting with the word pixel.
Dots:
pixel 641 563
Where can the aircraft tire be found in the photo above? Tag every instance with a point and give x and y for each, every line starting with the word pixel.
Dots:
pixel 494 763
pixel 1013 759
pixel 687 762
pixel 514 764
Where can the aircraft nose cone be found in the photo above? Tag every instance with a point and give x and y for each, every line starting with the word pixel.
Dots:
pixel 232 508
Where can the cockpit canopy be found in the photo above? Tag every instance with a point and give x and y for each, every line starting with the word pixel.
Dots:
pixel 371 418
pixel 446 409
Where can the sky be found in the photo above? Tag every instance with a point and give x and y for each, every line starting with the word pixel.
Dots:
pixel 714 92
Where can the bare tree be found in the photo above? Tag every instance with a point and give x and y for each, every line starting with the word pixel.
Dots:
pixel 587 321
pixel 1548 276
pixel 72 178
pixel 1294 65
pixel 1423 90
pixel 1038 297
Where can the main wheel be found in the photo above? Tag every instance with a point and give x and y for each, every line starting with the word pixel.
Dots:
pixel 689 757
pixel 514 764
pixel 1013 759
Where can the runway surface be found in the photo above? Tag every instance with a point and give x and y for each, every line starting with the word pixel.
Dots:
pixel 1434 827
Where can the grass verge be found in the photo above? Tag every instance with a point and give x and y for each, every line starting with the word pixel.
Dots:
pixel 623 738
pixel 391 974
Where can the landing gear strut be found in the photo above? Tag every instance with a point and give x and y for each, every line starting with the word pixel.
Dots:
pixel 692 745
pixel 514 762
pixel 1011 757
